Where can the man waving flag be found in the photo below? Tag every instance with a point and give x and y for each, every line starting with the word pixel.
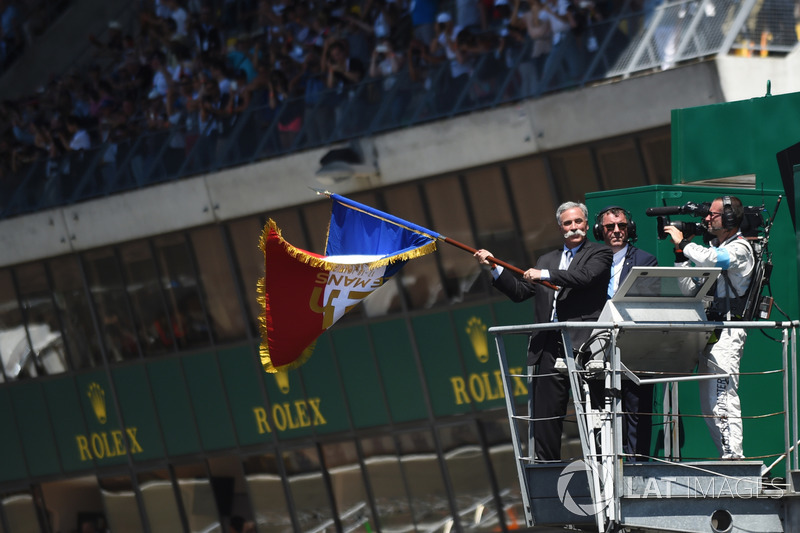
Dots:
pixel 303 294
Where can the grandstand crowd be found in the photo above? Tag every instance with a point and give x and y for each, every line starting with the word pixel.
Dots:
pixel 198 64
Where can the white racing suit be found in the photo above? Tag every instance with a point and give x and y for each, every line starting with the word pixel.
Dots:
pixel 719 399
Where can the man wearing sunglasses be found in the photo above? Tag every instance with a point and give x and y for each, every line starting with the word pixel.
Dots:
pixel 730 251
pixel 615 227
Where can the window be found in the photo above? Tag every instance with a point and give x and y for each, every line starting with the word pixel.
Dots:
pixel 187 314
pixel 657 153
pixel 69 293
pixel 469 477
pixel 573 173
pixel 111 302
pixel 450 218
pixel 245 236
pixel 160 505
pixel 73 502
pixel 492 217
pixel 347 481
pixel 534 202
pixel 13 331
pixel 20 512
pixel 197 494
pixel 46 349
pixel 620 165
pixel 230 489
pixel 419 278
pixel 267 493
pixel 501 455
pixel 311 499
pixel 389 488
pixel 422 472
pixel 216 278
pixel 119 500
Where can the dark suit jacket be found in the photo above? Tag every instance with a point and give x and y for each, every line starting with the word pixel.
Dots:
pixel 635 257
pixel 584 291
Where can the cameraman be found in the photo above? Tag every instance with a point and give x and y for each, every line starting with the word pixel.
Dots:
pixel 730 251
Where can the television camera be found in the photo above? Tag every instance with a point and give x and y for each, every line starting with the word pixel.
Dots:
pixel 753 223
pixel 754 227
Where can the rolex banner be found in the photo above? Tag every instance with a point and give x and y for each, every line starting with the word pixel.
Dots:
pixel 303 294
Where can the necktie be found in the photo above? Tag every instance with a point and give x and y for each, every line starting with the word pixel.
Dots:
pixel 611 290
pixel 566 259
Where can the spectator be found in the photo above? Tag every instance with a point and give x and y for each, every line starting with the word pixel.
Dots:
pixel 10 35
pixel 79 138
pixel 290 116
pixel 110 49
pixel 239 57
pixel 344 72
pixel 470 15
pixel 385 64
pixel 207 36
pixel 423 19
pixel 451 42
pixel 181 17
pixel 537 25
pixel 318 118
pixel 162 77
pixel 566 51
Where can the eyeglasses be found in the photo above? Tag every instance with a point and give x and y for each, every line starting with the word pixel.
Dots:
pixel 712 214
pixel 622 226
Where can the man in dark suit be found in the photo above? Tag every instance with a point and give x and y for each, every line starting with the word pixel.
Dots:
pixel 581 269
pixel 614 226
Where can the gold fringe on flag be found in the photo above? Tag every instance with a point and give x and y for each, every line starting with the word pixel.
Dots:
pixel 316 262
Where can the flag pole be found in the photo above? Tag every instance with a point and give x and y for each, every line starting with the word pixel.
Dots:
pixel 457 244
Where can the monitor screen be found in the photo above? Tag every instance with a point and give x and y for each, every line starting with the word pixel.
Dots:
pixel 667 284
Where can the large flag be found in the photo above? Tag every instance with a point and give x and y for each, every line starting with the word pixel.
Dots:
pixel 303 294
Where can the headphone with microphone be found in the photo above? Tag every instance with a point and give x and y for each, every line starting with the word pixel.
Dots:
pixel 597 230
pixel 729 218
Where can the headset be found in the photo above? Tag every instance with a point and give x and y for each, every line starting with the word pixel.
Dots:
pixel 729 219
pixel 597 230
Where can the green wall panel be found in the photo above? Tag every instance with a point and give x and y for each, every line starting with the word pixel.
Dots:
pixel 13 462
pixel 734 139
pixel 138 411
pixel 438 350
pixel 240 374
pixel 66 415
pixel 324 388
pixel 289 414
pixel 208 400
pixel 398 370
pixel 106 441
pixel 508 313
pixel 37 438
pixel 483 384
pixel 174 407
pixel 360 375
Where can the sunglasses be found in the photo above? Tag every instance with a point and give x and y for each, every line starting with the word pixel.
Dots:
pixel 610 227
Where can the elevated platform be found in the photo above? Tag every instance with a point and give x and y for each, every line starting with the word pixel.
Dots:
pixel 605 490
pixel 708 496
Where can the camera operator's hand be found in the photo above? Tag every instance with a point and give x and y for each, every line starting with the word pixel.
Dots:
pixel 675 234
